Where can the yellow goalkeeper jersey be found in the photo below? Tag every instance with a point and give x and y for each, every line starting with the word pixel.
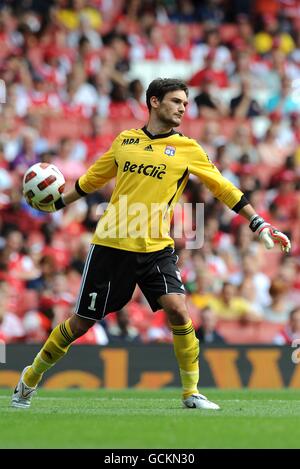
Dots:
pixel 151 173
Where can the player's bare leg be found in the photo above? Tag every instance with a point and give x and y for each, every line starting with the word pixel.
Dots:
pixel 186 347
pixel 54 349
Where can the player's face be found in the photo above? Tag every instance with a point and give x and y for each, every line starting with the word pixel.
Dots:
pixel 171 109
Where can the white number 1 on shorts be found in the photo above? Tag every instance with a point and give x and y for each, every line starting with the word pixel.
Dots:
pixel 93 301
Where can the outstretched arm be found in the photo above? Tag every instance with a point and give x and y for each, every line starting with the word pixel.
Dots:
pixel 201 166
pixel 97 175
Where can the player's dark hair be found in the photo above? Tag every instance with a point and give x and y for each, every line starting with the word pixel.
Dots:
pixel 161 86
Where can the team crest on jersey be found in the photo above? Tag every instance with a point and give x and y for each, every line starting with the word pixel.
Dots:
pixel 170 151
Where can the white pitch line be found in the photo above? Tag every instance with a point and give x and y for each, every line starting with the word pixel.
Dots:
pixel 155 400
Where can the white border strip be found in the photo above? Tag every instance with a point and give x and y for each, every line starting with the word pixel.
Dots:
pixel 108 290
pixel 86 266
pixel 166 286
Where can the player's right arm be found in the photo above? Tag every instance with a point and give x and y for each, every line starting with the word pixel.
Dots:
pixel 102 171
pixel 97 175
pixel 201 166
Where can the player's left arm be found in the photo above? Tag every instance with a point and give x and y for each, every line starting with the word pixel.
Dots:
pixel 98 174
pixel 201 166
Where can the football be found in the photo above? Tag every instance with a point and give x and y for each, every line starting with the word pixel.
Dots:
pixel 43 183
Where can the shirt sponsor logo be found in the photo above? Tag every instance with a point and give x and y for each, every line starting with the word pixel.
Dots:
pixel 130 141
pixel 170 151
pixel 147 170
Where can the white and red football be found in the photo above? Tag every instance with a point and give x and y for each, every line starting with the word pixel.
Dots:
pixel 43 183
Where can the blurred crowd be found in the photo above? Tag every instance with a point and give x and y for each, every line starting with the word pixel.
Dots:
pixel 71 70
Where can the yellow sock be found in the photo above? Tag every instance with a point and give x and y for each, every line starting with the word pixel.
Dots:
pixel 54 348
pixel 186 347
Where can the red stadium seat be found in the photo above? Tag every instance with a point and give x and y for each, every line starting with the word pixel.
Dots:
pixel 55 128
pixel 267 331
pixel 235 332
pixel 193 127
pixel 168 32
pixel 128 123
pixel 228 31
pixel 264 173
pixel 30 302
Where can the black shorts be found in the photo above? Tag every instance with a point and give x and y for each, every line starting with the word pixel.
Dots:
pixel 111 275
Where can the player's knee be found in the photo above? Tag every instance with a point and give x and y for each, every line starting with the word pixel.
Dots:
pixel 178 315
pixel 80 325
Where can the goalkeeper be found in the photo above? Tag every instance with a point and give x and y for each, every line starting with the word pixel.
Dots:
pixel 151 166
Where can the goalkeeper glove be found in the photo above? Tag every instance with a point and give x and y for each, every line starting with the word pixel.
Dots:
pixel 52 207
pixel 268 234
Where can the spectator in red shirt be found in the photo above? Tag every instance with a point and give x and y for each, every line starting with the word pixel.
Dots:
pixel 212 46
pixel 11 328
pixel 208 72
pixel 98 140
pixel 119 105
pixel 37 327
pixel 153 48
pixel 89 56
pixel 181 47
pixel 287 199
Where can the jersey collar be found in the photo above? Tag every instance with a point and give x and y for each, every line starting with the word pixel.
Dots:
pixel 153 137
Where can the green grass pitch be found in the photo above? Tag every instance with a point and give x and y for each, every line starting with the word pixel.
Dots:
pixel 151 419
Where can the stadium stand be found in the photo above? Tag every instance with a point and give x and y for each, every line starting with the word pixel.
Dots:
pixel 75 75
